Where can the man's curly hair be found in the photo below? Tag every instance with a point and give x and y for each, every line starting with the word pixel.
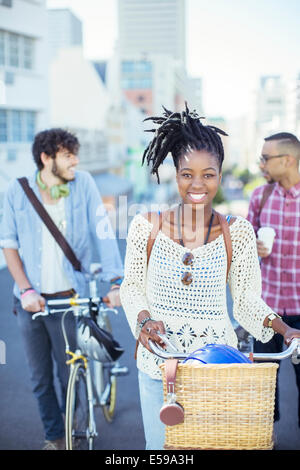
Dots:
pixel 52 141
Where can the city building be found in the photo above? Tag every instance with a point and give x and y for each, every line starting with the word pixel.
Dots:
pixel 65 30
pixel 153 27
pixel 85 108
pixel 195 94
pixel 24 82
pixel 149 82
pixel 270 114
pixel 24 96
pixel 81 107
pixel 293 104
pixel 152 52
pixel 276 108
pixel 151 56
pixel 220 122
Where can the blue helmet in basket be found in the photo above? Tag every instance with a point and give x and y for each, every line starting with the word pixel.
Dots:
pixel 217 354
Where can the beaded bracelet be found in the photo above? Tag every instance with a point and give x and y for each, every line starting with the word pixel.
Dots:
pixel 143 322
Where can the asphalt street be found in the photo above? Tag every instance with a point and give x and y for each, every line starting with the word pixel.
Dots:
pixel 21 428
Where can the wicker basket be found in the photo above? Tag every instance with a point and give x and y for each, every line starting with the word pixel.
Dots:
pixel 226 406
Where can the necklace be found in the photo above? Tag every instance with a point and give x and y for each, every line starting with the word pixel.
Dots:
pixel 179 226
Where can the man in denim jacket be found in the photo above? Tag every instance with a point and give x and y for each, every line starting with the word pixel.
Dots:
pixel 41 270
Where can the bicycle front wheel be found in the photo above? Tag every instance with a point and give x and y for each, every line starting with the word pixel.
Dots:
pixel 109 407
pixel 79 422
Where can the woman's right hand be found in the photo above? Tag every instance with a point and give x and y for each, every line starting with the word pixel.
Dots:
pixel 149 331
pixel 33 302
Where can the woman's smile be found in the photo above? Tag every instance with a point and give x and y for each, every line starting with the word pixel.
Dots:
pixel 197 197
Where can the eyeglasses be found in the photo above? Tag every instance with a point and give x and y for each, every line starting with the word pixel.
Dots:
pixel 187 278
pixel 264 158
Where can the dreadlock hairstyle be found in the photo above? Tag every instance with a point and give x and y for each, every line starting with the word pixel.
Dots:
pixel 179 133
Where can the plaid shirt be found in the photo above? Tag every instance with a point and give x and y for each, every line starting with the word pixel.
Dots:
pixel 281 269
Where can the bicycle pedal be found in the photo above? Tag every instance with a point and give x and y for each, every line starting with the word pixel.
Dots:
pixel 119 371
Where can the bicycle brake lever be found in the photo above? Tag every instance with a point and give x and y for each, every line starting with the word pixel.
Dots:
pixel 112 309
pixel 40 314
pixel 167 342
pixel 296 354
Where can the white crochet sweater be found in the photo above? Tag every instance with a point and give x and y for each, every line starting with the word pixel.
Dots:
pixel 193 315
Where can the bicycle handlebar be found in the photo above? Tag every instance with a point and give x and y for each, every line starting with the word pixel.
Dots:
pixel 69 303
pixel 292 351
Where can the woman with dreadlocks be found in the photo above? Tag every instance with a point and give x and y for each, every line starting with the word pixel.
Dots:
pixel 180 290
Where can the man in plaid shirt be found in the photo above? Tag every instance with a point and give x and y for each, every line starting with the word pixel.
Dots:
pixel 281 269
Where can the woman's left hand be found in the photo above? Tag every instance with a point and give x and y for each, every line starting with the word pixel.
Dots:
pixel 290 334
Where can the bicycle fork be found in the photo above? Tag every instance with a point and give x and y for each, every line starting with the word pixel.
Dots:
pixel 91 431
pixel 102 390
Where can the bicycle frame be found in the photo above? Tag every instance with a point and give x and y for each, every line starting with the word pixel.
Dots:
pixel 98 393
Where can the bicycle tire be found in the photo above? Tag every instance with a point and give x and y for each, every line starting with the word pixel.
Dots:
pixel 108 325
pixel 109 408
pixel 78 419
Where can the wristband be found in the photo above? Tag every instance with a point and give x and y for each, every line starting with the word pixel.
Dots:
pixel 143 322
pixel 22 291
pixel 115 286
pixel 272 317
pixel 27 291
pixel 116 281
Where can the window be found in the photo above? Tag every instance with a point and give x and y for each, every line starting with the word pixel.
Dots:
pixel 137 66
pixel 2 48
pixel 11 155
pixel 136 74
pixel 274 101
pixel 133 84
pixel 17 126
pixel 6 3
pixel 16 50
pixel 28 53
pixel 30 125
pixel 3 126
pixel 13 50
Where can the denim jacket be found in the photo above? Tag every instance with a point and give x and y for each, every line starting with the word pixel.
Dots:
pixel 86 218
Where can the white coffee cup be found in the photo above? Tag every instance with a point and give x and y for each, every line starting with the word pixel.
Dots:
pixel 267 235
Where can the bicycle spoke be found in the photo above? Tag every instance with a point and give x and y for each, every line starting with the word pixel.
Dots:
pixel 79 431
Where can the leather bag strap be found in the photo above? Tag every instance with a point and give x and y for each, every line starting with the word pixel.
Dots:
pixel 265 196
pixel 225 230
pixel 227 239
pixel 55 232
pixel 170 371
pixel 152 237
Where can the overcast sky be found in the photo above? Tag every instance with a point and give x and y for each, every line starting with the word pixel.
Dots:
pixel 230 43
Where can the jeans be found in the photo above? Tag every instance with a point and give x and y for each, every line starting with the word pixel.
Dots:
pixel 151 397
pixel 276 345
pixel 44 346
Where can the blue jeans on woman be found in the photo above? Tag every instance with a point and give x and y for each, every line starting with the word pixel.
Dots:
pixel 44 344
pixel 152 398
